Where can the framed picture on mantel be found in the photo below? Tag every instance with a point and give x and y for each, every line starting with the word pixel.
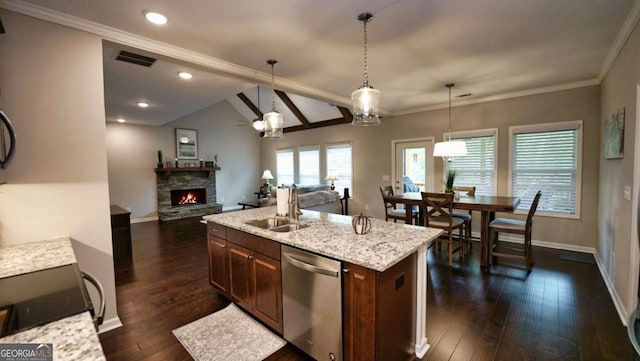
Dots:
pixel 186 143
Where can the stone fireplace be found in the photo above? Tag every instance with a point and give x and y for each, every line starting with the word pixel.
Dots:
pixel 186 192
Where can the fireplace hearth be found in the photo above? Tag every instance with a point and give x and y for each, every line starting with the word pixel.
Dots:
pixel 186 192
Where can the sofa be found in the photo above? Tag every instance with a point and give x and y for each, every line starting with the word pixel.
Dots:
pixel 318 197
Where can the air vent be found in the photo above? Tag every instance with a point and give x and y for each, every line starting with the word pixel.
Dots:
pixel 134 58
pixel 464 95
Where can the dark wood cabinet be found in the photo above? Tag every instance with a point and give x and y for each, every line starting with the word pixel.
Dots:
pixel 246 268
pixel 378 311
pixel 218 275
pixel 120 233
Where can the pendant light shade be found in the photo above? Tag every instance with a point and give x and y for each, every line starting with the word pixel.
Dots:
pixel 365 100
pixel 450 149
pixel 273 121
pixel 258 124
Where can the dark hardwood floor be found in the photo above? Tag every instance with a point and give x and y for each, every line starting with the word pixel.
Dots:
pixel 561 311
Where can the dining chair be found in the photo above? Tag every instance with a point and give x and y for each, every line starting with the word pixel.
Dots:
pixel 390 211
pixel 507 225
pixel 466 216
pixel 439 214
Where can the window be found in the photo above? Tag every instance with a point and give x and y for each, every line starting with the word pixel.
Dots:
pixel 339 161
pixel 284 165
pixel 547 157
pixel 309 165
pixel 478 167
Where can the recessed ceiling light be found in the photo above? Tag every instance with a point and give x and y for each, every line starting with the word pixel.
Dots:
pixel 121 120
pixel 184 75
pixel 155 18
pixel 142 104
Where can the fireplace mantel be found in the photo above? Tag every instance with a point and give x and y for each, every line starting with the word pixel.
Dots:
pixel 167 171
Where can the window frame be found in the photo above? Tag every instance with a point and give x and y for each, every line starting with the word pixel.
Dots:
pixel 296 163
pixel 550 127
pixel 293 156
pixel 473 134
pixel 326 164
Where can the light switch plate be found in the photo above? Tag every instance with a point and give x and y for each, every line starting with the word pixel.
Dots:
pixel 627 193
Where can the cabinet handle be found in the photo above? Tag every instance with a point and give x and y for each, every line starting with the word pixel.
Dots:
pixel 249 257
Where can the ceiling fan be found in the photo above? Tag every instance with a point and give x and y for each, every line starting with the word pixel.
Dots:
pixel 256 123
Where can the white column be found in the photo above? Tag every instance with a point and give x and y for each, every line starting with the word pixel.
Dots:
pixel 422 346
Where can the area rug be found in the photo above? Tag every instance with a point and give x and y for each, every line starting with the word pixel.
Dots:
pixel 574 256
pixel 228 335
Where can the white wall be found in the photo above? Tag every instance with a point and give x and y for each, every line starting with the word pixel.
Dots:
pixel 614 212
pixel 51 83
pixel 132 155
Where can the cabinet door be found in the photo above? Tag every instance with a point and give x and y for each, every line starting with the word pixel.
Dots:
pixel 359 312
pixel 218 276
pixel 268 290
pixel 240 262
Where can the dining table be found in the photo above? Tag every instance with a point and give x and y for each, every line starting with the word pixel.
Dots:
pixel 486 205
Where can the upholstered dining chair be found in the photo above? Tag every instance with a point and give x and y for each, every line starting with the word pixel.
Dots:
pixel 390 211
pixel 466 216
pixel 439 209
pixel 507 225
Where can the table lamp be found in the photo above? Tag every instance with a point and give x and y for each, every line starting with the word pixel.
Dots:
pixel 332 177
pixel 267 177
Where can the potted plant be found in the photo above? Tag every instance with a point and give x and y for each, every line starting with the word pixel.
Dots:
pixel 451 176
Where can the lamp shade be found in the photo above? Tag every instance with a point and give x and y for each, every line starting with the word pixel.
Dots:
pixel 273 124
pixel 258 125
pixel 331 177
pixel 365 101
pixel 267 174
pixel 450 149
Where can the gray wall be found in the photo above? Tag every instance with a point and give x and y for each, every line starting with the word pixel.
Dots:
pixel 614 213
pixel 372 150
pixel 58 179
pixel 132 155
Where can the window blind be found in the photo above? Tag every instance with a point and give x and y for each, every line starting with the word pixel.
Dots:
pixel 546 161
pixel 477 168
pixel 339 161
pixel 309 163
pixel 284 165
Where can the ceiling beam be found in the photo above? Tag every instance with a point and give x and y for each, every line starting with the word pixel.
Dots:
pixel 324 123
pixel 346 113
pixel 250 104
pixel 294 109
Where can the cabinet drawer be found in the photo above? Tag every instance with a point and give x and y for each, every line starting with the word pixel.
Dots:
pixel 261 245
pixel 217 230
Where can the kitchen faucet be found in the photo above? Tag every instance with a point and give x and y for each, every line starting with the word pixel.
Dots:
pixel 294 205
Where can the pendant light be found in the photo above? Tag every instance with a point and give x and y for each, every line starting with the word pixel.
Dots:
pixel 450 149
pixel 258 124
pixel 365 99
pixel 273 121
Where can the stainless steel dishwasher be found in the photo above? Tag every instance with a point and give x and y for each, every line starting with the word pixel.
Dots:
pixel 312 303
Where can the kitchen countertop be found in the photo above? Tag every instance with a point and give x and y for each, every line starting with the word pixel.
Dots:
pixel 35 256
pixel 332 235
pixel 74 337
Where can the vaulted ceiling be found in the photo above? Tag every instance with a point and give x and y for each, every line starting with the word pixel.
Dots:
pixel 490 48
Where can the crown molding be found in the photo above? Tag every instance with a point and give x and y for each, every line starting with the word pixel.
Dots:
pixel 491 98
pixel 623 35
pixel 172 51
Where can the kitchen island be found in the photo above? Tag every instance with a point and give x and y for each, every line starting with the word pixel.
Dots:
pixel 384 275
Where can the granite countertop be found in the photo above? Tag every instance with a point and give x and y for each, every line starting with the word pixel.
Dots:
pixel 74 337
pixel 35 256
pixel 332 235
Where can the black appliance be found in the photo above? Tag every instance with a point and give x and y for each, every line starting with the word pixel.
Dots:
pixel 36 298
pixel 7 140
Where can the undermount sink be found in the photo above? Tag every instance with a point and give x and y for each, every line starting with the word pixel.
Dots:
pixel 276 224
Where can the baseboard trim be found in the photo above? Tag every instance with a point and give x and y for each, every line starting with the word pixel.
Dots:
pixel 613 293
pixel 110 324
pixel 141 220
